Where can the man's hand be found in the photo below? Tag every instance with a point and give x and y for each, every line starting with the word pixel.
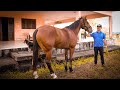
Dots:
pixel 88 34
pixel 106 46
pixel 105 42
pixel 106 49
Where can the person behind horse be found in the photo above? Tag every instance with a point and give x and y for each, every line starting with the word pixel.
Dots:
pixel 99 42
pixel 29 44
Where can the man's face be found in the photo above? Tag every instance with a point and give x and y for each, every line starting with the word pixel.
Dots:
pixel 99 29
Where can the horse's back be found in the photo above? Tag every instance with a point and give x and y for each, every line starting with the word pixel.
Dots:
pixel 46 27
pixel 55 37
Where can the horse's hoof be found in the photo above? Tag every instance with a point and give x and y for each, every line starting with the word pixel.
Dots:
pixel 53 75
pixel 35 75
pixel 66 68
pixel 70 69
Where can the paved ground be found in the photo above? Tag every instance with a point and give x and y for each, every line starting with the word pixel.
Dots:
pixel 12 44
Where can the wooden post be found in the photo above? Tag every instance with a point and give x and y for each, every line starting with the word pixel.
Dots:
pixel 110 26
pixel 78 15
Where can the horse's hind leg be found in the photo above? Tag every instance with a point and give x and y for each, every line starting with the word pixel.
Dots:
pixel 35 74
pixel 66 59
pixel 48 62
pixel 34 63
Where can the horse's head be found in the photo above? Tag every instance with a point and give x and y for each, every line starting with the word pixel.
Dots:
pixel 85 25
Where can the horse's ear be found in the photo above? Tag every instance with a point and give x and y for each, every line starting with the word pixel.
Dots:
pixel 82 17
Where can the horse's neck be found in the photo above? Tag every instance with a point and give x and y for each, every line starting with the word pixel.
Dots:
pixel 76 31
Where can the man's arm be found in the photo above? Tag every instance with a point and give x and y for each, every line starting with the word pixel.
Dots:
pixel 105 41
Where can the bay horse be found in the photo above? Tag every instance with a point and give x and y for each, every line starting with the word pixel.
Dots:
pixel 47 37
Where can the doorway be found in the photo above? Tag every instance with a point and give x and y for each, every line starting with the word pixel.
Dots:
pixel 6 29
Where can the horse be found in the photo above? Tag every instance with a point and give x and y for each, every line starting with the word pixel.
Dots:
pixel 47 37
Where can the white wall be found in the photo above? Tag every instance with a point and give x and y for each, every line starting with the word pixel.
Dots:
pixel 116 21
pixel 104 21
pixel 62 25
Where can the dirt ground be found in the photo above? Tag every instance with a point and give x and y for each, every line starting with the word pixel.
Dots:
pixel 111 70
pixel 83 68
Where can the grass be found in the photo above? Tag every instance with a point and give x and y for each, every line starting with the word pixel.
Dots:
pixel 83 69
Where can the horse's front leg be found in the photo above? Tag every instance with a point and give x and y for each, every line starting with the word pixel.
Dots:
pixel 48 62
pixel 66 59
pixel 70 61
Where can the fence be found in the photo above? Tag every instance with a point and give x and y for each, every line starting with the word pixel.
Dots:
pixel 79 47
pixel 87 45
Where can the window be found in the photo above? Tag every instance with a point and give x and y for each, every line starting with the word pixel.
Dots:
pixel 28 23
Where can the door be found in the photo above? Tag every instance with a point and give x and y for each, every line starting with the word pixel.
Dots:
pixel 0 29
pixel 4 29
pixel 10 29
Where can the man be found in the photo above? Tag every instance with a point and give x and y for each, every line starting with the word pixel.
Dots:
pixel 99 43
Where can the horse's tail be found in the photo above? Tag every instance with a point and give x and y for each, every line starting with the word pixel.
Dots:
pixel 35 51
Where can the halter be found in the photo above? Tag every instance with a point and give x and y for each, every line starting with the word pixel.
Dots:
pixel 85 27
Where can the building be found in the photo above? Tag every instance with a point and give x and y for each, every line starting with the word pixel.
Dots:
pixel 16 25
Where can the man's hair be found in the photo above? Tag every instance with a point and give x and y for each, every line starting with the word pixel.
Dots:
pixel 99 25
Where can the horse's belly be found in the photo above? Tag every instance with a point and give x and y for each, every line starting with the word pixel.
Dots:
pixel 62 46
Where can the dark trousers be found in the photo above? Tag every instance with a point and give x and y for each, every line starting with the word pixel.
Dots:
pixel 101 51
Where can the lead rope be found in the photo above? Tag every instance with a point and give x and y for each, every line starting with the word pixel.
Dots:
pixel 85 34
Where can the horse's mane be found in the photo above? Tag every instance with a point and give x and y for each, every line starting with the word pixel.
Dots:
pixel 74 25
